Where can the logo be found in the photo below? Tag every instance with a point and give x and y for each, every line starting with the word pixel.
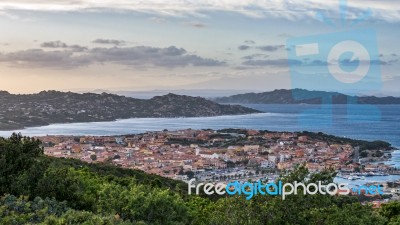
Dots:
pixel 283 189
pixel 343 62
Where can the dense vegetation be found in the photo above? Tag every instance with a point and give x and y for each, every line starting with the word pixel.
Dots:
pixel 230 137
pixel 36 189
pixel 46 107
pixel 362 144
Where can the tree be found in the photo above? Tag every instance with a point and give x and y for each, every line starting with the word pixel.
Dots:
pixel 17 156
pixel 364 154
pixel 230 164
pixel 190 174
pixel 93 157
pixel 391 211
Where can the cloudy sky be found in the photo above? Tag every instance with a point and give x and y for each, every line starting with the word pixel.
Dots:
pixel 181 44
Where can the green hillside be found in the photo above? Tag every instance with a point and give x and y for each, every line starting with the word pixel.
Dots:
pixel 37 189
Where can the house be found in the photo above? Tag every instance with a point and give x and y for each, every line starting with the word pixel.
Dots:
pixel 119 140
pixel 302 138
pixel 285 165
pixel 272 158
pixel 267 164
pixel 247 148
pixel 208 155
pixel 299 153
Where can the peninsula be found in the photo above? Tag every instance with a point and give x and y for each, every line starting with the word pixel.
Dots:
pixel 47 107
pixel 302 96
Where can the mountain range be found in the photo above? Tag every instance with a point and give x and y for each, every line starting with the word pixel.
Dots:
pixel 47 107
pixel 298 96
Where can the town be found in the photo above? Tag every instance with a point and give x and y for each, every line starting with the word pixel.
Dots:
pixel 211 155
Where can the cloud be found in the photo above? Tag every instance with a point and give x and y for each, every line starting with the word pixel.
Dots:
pixel 53 44
pixel 242 67
pixel 271 48
pixel 354 63
pixel 196 24
pixel 157 19
pixel 109 42
pixel 272 62
pixel 40 58
pixel 253 56
pixel 243 47
pixel 284 35
pixel 59 44
pixel 249 42
pixel 15 17
pixel 295 62
pixel 265 48
pixel 384 10
pixel 77 48
pixel 387 63
pixel 138 56
pixel 144 55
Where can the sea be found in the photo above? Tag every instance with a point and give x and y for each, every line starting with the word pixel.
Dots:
pixel 365 122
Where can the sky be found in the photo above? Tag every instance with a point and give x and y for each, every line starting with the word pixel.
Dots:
pixel 121 45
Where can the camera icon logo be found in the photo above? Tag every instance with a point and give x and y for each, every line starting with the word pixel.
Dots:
pixel 344 62
pixel 359 53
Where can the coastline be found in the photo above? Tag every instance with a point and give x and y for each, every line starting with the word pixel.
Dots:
pixel 119 119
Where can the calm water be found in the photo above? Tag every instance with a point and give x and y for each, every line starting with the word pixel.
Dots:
pixel 355 121
pixel 376 179
pixel 379 123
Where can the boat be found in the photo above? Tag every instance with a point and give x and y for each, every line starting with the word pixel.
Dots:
pixel 340 175
pixel 351 178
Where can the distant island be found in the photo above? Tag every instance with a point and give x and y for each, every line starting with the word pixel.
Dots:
pixel 47 107
pixel 298 96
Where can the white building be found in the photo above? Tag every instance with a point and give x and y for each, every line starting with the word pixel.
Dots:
pixel 267 164
pixel 272 158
